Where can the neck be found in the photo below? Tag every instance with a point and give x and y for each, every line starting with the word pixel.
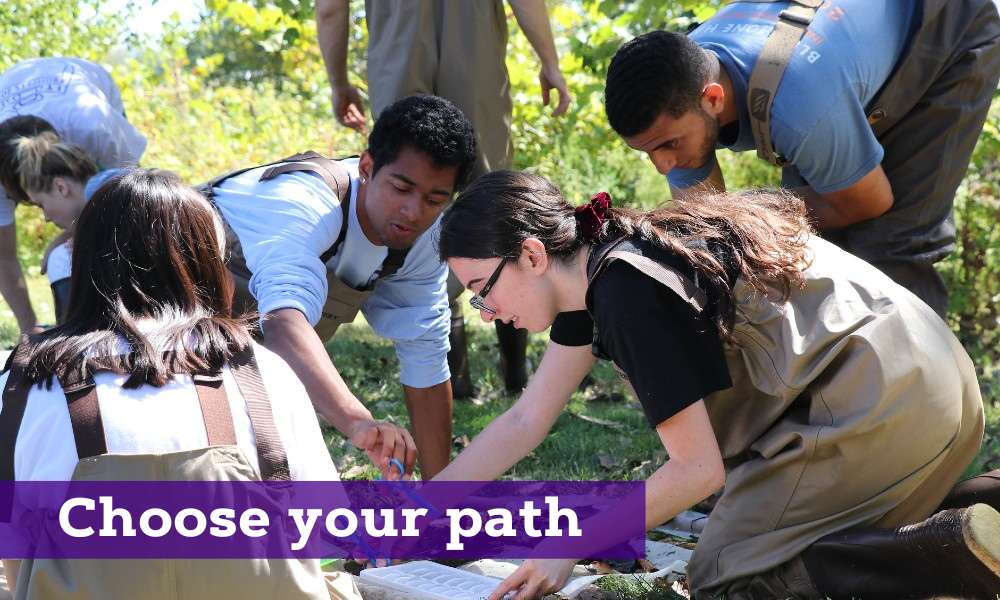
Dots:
pixel 729 112
pixel 571 282
pixel 361 208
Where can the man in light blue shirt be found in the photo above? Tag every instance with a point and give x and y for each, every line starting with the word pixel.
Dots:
pixel 876 116
pixel 305 264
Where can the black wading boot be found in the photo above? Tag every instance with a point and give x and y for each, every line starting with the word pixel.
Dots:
pixel 983 489
pixel 60 297
pixel 953 554
pixel 458 358
pixel 513 347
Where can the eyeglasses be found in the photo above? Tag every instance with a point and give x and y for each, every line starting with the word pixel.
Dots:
pixel 477 300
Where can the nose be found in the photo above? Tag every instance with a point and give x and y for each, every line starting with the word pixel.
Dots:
pixel 487 316
pixel 410 208
pixel 663 160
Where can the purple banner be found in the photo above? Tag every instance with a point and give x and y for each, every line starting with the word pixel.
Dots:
pixel 433 520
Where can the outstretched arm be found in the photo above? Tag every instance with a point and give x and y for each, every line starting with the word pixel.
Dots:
pixel 534 22
pixel 332 22
pixel 288 334
pixel 515 433
pixel 12 284
pixel 430 419
pixel 693 472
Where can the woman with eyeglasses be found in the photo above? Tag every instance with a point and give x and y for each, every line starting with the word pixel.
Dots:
pixel 834 406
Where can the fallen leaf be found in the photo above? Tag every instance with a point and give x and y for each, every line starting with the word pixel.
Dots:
pixel 607 460
pixel 596 420
pixel 601 568
pixel 344 462
pixel 647 566
pixel 355 471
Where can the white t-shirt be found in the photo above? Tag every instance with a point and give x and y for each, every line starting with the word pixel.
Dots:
pixel 150 420
pixel 81 101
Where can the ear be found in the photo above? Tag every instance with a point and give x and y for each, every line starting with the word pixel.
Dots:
pixel 365 165
pixel 60 185
pixel 538 258
pixel 713 99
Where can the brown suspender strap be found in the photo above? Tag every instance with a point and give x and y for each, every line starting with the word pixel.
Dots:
pixel 334 175
pixel 15 400
pixel 770 68
pixel 270 451
pixel 78 384
pixel 393 261
pixel 676 281
pixel 336 179
pixel 215 409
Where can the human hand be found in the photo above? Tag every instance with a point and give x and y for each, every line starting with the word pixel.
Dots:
pixel 535 578
pixel 347 108
pixel 552 78
pixel 383 442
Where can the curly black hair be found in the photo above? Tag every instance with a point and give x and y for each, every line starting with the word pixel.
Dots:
pixel 660 72
pixel 429 124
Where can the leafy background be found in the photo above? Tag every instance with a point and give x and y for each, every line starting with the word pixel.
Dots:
pixel 244 83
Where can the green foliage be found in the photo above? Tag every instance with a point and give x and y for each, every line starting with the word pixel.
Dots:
pixel 247 43
pixel 972 272
pixel 56 28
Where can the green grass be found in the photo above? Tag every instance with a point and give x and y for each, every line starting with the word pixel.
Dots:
pixel 576 448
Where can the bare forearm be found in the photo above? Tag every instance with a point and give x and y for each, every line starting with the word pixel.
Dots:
pixel 430 423
pixel 12 283
pixel 515 433
pixel 870 197
pixel 288 334
pixel 332 22
pixel 533 20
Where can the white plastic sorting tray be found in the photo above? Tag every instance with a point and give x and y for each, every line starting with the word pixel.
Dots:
pixel 431 581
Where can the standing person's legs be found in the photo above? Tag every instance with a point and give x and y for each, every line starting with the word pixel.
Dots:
pixel 473 74
pixel 935 105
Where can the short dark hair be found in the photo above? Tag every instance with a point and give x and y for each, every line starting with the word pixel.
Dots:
pixel 146 246
pixel 657 73
pixel 10 165
pixel 428 124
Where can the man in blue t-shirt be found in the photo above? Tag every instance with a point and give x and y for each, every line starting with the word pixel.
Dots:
pixel 876 114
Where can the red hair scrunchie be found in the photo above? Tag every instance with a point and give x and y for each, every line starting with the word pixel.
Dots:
pixel 589 217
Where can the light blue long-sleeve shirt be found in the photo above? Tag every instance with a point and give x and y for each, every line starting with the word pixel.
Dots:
pixel 286 223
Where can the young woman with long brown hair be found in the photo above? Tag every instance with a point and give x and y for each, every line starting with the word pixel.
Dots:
pixel 835 407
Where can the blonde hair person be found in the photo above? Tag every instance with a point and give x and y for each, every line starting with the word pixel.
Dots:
pixel 53 175
pixel 76 99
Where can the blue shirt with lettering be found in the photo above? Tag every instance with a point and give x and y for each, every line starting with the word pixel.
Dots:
pixel 819 116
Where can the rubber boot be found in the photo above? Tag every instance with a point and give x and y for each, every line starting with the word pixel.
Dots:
pixel 513 348
pixel 953 554
pixel 60 297
pixel 458 358
pixel 982 489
